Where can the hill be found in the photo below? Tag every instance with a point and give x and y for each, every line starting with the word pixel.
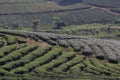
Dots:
pixel 70 11
pixel 27 55
pixel 106 31
pixel 104 3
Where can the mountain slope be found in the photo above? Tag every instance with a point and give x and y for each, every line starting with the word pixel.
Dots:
pixel 46 55
pixel 72 12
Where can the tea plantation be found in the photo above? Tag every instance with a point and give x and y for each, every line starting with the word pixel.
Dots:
pixel 72 12
pixel 28 55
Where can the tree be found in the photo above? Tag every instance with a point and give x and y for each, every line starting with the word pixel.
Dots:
pixel 116 21
pixel 58 23
pixel 109 29
pixel 16 26
pixel 35 24
pixel 6 27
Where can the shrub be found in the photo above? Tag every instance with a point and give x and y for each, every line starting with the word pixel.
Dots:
pixel 90 68
pixel 20 70
pixel 3 72
pixel 66 66
pixel 52 42
pixel 108 52
pixel 7 49
pixel 113 68
pixel 11 40
pixel 27 58
pixel 75 45
pixel 17 54
pixel 43 37
pixel 63 43
pixel 77 68
pixel 20 41
pixel 98 64
pixel 56 62
pixel 98 52
pixel 43 60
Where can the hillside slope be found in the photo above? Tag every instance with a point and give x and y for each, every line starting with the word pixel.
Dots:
pixel 60 56
pixel 79 43
pixel 72 12
pixel 104 3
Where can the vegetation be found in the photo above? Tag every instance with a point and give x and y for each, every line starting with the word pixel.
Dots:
pixel 27 52
pixel 58 23
pixel 35 24
pixel 91 30
pixel 95 57
pixel 23 13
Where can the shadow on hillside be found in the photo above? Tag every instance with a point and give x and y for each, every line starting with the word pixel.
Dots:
pixel 69 2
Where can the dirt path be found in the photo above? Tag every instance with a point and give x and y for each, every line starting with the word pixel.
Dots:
pixel 29 41
pixel 45 12
pixel 58 11
pixel 105 9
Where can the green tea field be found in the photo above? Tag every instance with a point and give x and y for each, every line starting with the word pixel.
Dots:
pixel 46 56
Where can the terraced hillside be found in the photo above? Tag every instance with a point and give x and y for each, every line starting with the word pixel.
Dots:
pixel 76 12
pixel 103 31
pixel 56 56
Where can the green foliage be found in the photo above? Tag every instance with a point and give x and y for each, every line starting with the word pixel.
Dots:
pixel 7 49
pixel 58 23
pixel 17 54
pixel 3 72
pixel 27 58
pixel 56 20
pixel 16 26
pixel 54 63
pixel 91 30
pixel 92 69
pixel 28 49
pixel 10 39
pixel 45 60
pixel 77 68
pixel 98 64
pixel 2 42
pixel 113 68
pixel 20 70
pixel 37 53
pixel 21 40
pixel 64 67
pixel 35 24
